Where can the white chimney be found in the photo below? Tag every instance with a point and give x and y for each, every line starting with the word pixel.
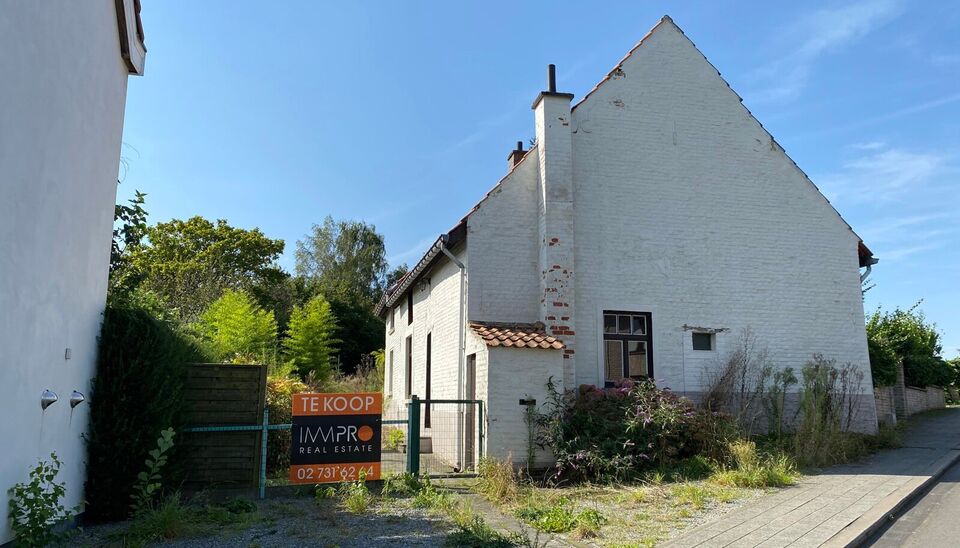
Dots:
pixel 556 262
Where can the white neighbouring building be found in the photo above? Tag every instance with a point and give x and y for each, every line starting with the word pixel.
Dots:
pixel 653 221
pixel 63 83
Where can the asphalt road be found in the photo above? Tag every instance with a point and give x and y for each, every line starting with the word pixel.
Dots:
pixel 931 522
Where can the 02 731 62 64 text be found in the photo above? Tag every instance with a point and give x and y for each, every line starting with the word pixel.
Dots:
pixel 326 473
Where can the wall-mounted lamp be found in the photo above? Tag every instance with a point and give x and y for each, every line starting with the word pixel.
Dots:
pixel 48 398
pixel 76 398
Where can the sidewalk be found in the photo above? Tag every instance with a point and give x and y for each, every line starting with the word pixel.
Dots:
pixel 840 505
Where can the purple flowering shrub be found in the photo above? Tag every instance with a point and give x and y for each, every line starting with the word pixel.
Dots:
pixel 615 434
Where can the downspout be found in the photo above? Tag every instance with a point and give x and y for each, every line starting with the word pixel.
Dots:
pixel 870 262
pixel 461 348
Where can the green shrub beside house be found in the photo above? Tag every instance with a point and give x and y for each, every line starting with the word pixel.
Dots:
pixel 137 393
pixel 905 336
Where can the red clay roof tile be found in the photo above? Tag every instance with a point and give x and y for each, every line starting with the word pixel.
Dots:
pixel 516 335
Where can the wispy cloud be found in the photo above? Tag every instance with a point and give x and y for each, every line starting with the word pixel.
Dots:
pixel 898 253
pixel 900 193
pixel 816 35
pixel 482 129
pixel 893 115
pixel 872 145
pixel 413 252
pixel 894 238
pixel 883 174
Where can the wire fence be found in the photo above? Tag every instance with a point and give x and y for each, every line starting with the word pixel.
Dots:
pixel 437 438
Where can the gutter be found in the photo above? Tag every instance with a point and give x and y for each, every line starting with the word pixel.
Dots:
pixel 866 273
pixel 461 348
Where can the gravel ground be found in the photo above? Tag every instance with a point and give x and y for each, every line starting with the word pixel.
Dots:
pixel 301 521
pixel 636 516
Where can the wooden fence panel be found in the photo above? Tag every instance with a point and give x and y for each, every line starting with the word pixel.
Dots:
pixel 223 395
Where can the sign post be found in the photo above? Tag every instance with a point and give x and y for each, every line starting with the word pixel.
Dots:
pixel 335 437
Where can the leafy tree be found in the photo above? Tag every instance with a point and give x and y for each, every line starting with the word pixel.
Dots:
pixel 905 335
pixel 311 343
pixel 239 330
pixel 189 264
pixel 130 226
pixel 394 275
pixel 345 260
pixel 359 331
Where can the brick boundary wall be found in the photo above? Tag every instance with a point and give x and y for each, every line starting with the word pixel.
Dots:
pixel 924 399
pixel 900 401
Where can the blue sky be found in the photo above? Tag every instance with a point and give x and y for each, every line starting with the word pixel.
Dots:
pixel 401 114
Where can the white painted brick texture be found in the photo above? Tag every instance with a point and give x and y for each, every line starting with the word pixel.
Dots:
pixel 686 208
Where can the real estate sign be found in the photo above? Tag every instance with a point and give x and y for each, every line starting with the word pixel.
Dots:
pixel 336 437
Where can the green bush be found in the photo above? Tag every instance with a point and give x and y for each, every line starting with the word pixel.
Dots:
pixel 905 335
pixel 280 391
pixel 883 361
pixel 36 507
pixel 614 434
pixel 311 345
pixel 150 481
pixel 238 330
pixel 138 391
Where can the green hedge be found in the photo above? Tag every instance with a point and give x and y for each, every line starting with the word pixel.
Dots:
pixel 137 392
pixel 906 336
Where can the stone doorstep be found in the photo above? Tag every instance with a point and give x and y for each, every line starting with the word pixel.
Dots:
pixel 873 519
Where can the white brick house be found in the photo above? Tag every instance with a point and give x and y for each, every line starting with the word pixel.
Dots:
pixel 64 67
pixel 653 221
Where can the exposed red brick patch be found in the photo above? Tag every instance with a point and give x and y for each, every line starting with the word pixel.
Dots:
pixel 516 335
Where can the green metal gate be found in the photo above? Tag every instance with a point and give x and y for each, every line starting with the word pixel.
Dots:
pixel 444 437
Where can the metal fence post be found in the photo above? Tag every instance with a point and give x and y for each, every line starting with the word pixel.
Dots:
pixel 480 429
pixel 413 435
pixel 263 451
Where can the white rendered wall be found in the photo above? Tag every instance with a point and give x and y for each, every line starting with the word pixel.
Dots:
pixel 686 208
pixel 502 236
pixel 61 119
pixel 435 312
pixel 514 374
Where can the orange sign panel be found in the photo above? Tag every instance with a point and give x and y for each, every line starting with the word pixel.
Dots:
pixel 335 437
pixel 360 403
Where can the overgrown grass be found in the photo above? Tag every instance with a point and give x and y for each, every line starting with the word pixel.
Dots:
pixel 171 519
pixel 751 469
pixel 471 529
pixel 355 497
pixel 832 448
pixel 475 533
pixel 497 480
pixel 560 516
pixel 659 504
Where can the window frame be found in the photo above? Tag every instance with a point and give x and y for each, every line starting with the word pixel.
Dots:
pixel 410 307
pixel 426 410
pixel 711 337
pixel 390 371
pixel 393 313
pixel 408 366
pixel 624 339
